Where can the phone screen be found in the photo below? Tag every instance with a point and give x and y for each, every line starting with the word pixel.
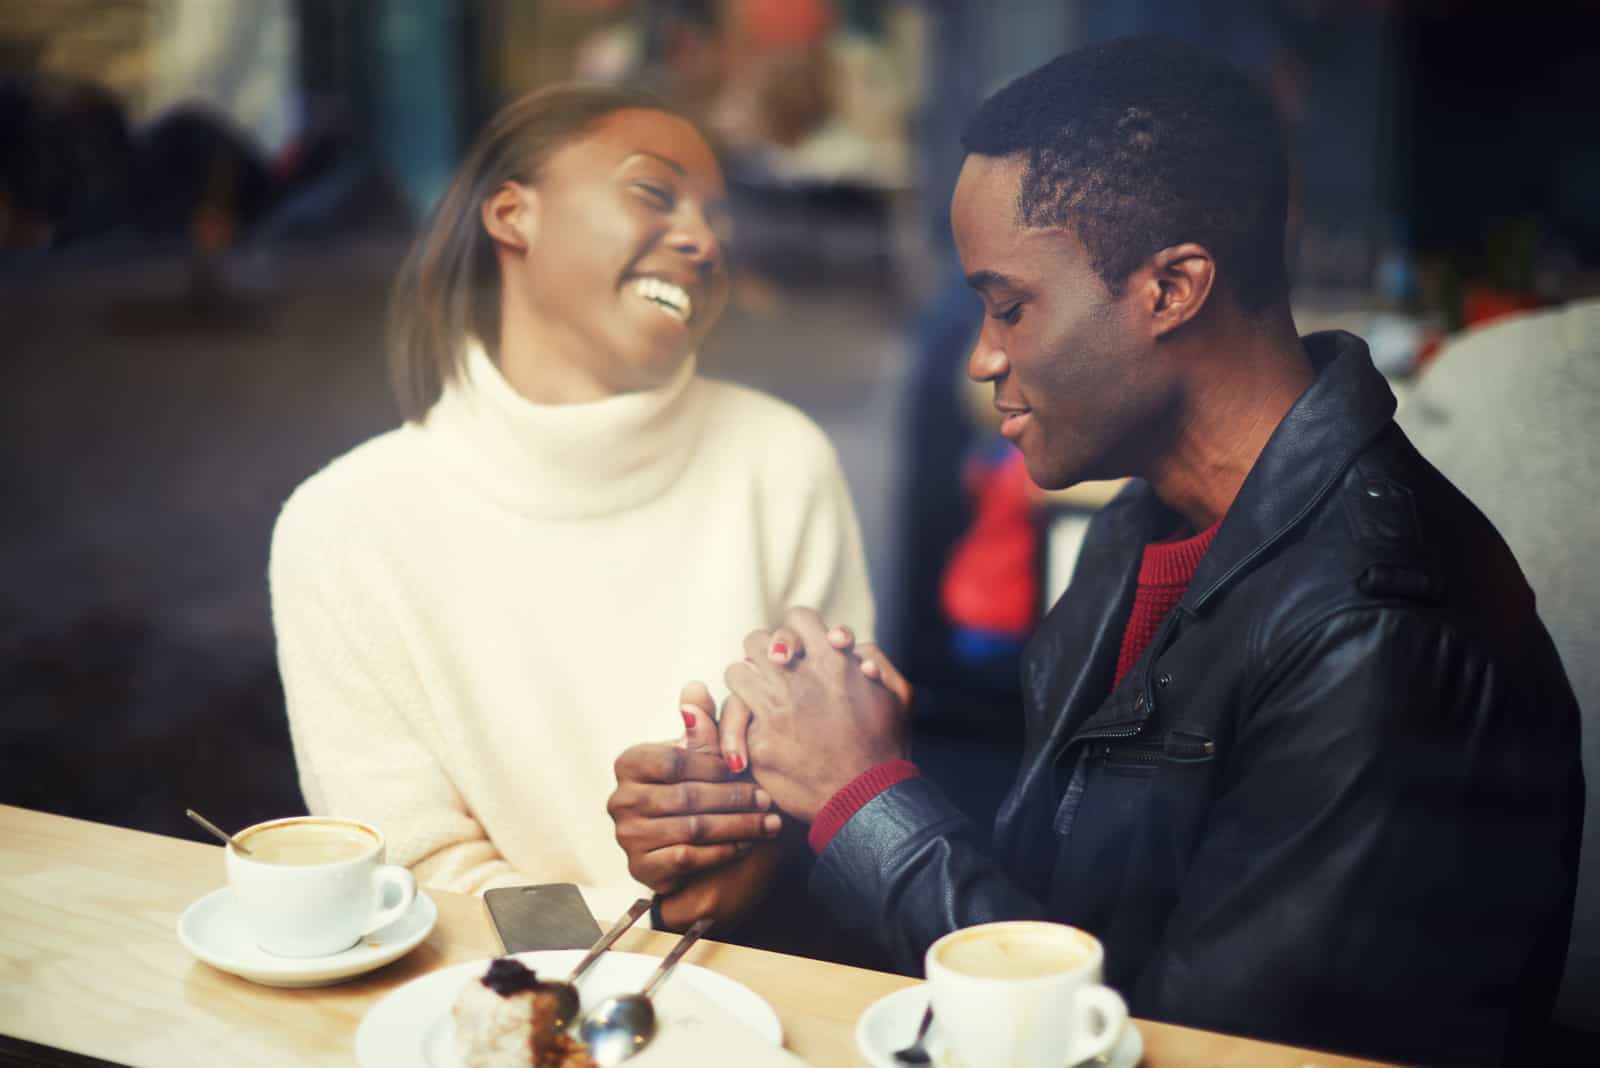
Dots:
pixel 547 916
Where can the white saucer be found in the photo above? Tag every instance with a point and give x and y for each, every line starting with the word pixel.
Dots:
pixel 890 1023
pixel 412 1026
pixel 211 930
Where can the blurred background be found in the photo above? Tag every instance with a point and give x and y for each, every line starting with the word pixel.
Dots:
pixel 202 204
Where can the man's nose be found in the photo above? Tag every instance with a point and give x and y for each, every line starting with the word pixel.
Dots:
pixel 987 361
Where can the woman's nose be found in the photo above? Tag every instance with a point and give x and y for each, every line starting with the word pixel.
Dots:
pixel 694 237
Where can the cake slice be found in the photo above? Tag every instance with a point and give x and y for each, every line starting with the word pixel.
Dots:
pixel 506 1019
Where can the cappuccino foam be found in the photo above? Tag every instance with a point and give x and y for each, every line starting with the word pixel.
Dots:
pixel 310 842
pixel 1006 954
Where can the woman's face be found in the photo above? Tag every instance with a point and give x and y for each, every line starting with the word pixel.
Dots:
pixel 624 273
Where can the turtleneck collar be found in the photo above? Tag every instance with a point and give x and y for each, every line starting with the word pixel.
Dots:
pixel 566 461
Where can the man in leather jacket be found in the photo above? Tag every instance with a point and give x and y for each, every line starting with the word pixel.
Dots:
pixel 1299 750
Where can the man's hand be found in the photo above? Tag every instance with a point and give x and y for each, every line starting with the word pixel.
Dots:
pixel 811 717
pixel 788 645
pixel 677 812
pixel 785 646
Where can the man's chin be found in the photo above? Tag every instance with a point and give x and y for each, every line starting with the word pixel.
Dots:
pixel 1050 477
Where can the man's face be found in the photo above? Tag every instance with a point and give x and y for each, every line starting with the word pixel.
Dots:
pixel 1084 391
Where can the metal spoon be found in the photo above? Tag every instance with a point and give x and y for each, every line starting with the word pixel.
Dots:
pixel 917 1053
pixel 566 993
pixel 214 829
pixel 621 1026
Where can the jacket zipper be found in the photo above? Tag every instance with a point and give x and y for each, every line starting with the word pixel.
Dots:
pixel 1171 752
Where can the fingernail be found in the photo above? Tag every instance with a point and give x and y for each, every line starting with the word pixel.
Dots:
pixel 690 717
pixel 869 668
pixel 736 762
pixel 763 799
pixel 771 823
pixel 780 650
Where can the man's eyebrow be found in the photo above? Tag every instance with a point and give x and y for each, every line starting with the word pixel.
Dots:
pixel 674 164
pixel 984 280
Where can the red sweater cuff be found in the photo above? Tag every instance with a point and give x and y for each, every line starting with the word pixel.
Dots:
pixel 848 801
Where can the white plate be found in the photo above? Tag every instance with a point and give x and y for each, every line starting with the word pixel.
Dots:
pixel 213 930
pixel 411 1026
pixel 890 1023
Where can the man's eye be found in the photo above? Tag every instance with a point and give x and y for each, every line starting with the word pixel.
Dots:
pixel 1009 315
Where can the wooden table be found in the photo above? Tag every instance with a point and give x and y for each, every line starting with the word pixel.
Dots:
pixel 90 962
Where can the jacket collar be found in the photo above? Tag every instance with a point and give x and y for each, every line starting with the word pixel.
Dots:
pixel 1347 406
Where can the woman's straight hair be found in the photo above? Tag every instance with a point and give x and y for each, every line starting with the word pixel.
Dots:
pixel 449 286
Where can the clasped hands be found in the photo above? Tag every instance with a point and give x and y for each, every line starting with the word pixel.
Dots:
pixel 807 713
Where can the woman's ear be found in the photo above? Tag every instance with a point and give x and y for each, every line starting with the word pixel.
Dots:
pixel 511 216
pixel 1181 280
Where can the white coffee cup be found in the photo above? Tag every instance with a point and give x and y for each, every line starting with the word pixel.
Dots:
pixel 1023 994
pixel 313 886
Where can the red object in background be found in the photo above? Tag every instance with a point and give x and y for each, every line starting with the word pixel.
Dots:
pixel 1430 349
pixel 991 583
pixel 1482 304
pixel 783 24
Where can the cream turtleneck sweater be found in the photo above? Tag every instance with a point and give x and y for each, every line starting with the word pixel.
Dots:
pixel 477 614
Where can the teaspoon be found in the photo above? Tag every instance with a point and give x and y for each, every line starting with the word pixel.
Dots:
pixel 622 1025
pixel 214 829
pixel 566 993
pixel 917 1052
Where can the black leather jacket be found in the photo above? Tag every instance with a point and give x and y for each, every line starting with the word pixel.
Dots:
pixel 1337 802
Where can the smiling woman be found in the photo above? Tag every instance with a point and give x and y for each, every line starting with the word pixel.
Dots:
pixel 611 262
pixel 477 611
pixel 564 200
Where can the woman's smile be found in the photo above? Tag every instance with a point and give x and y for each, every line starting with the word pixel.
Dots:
pixel 669 297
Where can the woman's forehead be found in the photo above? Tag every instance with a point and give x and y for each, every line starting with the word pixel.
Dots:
pixel 658 135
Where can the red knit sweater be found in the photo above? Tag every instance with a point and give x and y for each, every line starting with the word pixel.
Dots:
pixel 1164 575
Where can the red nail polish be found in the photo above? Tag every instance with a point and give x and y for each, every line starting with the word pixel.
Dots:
pixel 688 718
pixel 736 762
pixel 780 648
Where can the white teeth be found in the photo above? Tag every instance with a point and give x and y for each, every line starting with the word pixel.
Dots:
pixel 669 296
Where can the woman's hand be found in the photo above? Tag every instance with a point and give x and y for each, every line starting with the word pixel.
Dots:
pixel 677 810
pixel 727 893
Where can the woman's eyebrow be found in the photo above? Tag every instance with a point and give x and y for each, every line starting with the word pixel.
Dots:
pixel 674 164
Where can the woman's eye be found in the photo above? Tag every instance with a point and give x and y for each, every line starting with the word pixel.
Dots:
pixel 1009 315
pixel 658 195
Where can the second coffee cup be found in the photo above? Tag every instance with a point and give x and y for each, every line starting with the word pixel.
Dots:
pixel 1023 994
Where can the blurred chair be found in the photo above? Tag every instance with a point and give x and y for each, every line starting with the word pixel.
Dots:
pixel 1508 412
pixel 67 166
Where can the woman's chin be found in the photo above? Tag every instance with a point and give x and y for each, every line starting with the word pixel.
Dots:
pixel 655 368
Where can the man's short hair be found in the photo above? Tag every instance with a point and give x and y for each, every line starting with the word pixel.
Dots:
pixel 1142 143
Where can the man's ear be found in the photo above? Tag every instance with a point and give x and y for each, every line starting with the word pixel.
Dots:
pixel 1177 282
pixel 511 216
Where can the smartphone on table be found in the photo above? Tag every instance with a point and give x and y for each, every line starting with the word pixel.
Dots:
pixel 546 916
